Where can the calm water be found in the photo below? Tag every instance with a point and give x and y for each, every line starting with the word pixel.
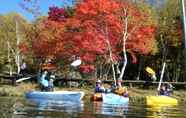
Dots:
pixel 21 108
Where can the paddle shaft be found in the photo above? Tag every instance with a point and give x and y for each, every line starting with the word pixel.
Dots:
pixel 161 77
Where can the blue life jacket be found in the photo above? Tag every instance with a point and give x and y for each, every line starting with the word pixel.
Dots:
pixel 43 81
pixel 98 89
pixel 164 92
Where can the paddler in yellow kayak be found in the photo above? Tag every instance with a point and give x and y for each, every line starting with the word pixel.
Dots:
pixel 166 89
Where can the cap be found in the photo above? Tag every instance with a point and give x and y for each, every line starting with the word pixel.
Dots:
pixel 99 81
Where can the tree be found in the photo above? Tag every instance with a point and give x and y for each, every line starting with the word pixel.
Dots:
pixel 49 39
pixel 98 28
pixel 170 34
pixel 12 25
pixel 99 31
pixel 170 23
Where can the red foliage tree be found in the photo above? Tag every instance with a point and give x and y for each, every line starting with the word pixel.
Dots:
pixel 95 26
pixel 97 21
pixel 49 41
pixel 56 14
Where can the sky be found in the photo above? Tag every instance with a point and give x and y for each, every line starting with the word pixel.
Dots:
pixel 7 6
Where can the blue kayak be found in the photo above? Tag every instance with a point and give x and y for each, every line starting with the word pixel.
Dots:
pixel 111 98
pixel 56 95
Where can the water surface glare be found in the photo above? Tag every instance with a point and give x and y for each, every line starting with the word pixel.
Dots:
pixel 20 108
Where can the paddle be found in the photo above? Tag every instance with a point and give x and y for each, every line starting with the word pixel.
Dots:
pixel 161 77
pixel 22 79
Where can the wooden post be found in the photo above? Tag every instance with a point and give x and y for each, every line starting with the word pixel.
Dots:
pixel 14 80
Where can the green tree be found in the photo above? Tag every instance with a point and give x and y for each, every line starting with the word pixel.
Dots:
pixel 11 35
pixel 171 37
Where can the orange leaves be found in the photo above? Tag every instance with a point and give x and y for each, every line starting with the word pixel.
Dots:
pixel 49 40
pixel 92 8
pixel 24 47
pixel 88 42
pixel 142 39
pixel 73 23
pixel 82 8
pixel 100 20
pixel 93 23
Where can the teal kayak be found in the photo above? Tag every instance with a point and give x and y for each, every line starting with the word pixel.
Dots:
pixel 111 98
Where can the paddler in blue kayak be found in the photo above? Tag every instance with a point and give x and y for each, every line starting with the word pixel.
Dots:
pixel 43 81
pixel 46 84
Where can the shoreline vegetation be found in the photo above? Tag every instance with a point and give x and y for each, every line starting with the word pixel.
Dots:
pixel 135 93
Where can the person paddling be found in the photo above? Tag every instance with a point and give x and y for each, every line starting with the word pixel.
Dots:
pixel 51 83
pixel 99 87
pixel 43 81
pixel 121 90
pixel 166 90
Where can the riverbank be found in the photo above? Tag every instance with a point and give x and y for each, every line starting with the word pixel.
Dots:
pixel 135 93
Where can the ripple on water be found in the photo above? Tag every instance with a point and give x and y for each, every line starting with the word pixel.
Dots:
pixel 20 108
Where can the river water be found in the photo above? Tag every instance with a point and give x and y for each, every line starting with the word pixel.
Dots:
pixel 11 107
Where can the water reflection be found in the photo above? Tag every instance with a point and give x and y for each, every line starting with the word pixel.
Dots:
pixel 20 108
pixel 163 112
pixel 109 109
pixel 67 106
pixel 38 108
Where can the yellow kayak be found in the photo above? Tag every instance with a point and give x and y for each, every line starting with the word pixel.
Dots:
pixel 161 101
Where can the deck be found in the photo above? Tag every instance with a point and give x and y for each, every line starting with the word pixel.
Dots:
pixel 15 79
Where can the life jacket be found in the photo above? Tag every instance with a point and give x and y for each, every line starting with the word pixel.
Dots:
pixel 43 81
pixel 164 92
pixel 120 90
pixel 99 89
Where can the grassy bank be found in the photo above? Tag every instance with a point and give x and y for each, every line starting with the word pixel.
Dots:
pixel 135 93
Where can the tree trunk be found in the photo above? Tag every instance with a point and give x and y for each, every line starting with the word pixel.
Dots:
pixel 139 68
pixel 17 55
pixel 125 31
pixel 9 60
pixel 112 62
pixel 110 55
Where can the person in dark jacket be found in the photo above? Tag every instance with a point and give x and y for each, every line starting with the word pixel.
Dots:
pixel 166 90
pixel 99 87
